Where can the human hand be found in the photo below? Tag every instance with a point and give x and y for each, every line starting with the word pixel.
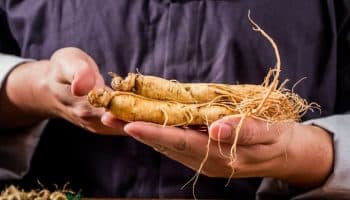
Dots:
pixel 300 154
pixel 57 88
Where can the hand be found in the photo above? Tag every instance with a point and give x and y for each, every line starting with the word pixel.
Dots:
pixel 299 154
pixel 58 88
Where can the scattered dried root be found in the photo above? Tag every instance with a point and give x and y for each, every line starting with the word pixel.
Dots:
pixel 14 193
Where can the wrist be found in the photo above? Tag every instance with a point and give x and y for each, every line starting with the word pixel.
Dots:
pixel 20 94
pixel 310 157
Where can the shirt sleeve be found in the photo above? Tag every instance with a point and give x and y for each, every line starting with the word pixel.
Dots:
pixel 16 146
pixel 337 186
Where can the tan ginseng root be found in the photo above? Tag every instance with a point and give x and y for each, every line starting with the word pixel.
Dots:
pixel 157 100
pixel 132 107
pixel 158 88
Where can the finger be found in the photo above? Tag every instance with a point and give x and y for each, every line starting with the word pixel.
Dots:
pixel 227 169
pixel 186 146
pixel 94 125
pixel 175 139
pixel 252 131
pixel 110 120
pixel 186 141
pixel 190 147
pixel 84 81
pixel 77 69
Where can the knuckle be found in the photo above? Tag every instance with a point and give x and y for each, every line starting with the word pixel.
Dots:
pixel 65 51
pixel 181 145
pixel 82 63
pixel 43 84
pixel 248 135
pixel 63 94
pixel 160 148
pixel 83 113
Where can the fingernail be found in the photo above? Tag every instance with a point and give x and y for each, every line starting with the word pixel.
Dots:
pixel 106 120
pixel 132 131
pixel 110 120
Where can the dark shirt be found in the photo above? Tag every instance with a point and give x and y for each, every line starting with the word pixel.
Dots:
pixel 190 41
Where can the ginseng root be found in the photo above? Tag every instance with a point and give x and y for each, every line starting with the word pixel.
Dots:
pixel 162 89
pixel 132 107
pixel 128 106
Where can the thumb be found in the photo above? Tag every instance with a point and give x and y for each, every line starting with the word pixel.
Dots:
pixel 252 131
pixel 78 69
pixel 84 80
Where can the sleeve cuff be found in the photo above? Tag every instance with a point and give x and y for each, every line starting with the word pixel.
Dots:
pixel 17 149
pixel 7 64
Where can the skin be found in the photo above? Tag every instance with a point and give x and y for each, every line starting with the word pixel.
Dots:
pixel 55 88
pixel 286 151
